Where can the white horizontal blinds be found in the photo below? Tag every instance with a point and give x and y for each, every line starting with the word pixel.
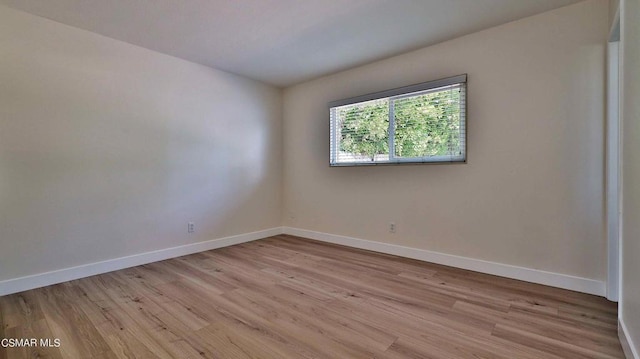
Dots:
pixel 414 124
pixel 462 105
pixel 429 125
pixel 332 130
pixel 362 132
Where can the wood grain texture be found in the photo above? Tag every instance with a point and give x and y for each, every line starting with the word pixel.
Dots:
pixel 288 297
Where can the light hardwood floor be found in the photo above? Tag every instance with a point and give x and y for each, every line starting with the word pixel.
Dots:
pixel 287 297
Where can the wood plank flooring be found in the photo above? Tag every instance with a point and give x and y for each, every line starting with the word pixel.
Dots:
pixel 288 297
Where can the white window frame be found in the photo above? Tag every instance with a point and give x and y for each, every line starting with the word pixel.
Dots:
pixel 613 163
pixel 392 95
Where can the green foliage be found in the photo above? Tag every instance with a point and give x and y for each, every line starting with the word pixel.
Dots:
pixel 365 128
pixel 425 125
pixel 428 125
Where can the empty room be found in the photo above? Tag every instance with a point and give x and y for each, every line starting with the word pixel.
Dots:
pixel 320 179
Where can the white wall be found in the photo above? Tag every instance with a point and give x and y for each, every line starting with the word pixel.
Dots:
pixel 531 193
pixel 108 149
pixel 630 298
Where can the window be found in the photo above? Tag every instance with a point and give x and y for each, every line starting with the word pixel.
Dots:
pixel 423 123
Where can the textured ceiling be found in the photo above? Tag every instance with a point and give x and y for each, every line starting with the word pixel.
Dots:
pixel 283 42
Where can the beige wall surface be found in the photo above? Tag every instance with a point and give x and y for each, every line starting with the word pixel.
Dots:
pixel 630 298
pixel 531 193
pixel 108 149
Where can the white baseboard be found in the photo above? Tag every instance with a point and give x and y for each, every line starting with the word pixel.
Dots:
pixel 627 343
pixel 504 270
pixel 578 284
pixel 58 276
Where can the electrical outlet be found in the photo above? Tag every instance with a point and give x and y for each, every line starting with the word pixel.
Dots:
pixel 392 227
pixel 191 227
